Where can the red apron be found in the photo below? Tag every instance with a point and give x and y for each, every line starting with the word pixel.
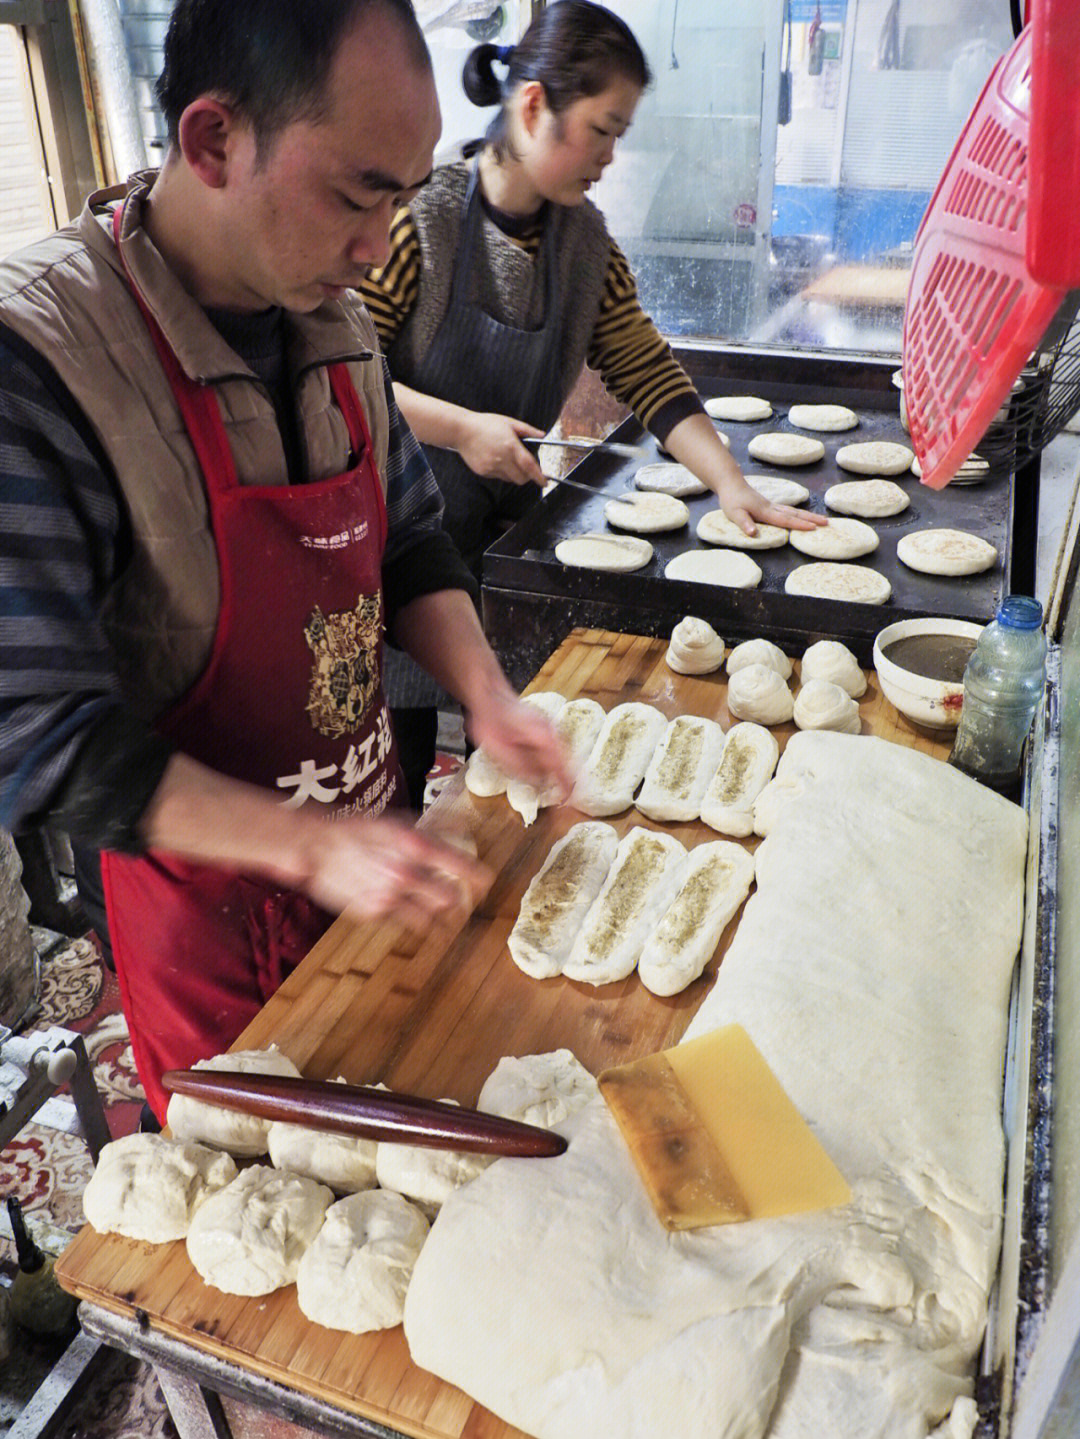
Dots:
pixel 291 700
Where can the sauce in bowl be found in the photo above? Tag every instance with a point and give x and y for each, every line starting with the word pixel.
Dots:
pixel 936 657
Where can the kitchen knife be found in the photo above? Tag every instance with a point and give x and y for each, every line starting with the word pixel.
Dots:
pixel 369 1113
pixel 613 447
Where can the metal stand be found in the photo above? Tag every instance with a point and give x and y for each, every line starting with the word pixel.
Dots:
pixel 49 1061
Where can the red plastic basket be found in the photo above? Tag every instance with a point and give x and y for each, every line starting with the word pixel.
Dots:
pixel 999 245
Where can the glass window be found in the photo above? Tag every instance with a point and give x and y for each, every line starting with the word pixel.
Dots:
pixel 26 210
pixel 779 166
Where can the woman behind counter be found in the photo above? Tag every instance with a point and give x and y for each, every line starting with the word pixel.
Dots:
pixel 503 281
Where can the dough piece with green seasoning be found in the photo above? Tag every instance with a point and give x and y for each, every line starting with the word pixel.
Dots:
pixel 715 880
pixel 684 762
pixel 558 898
pixel 746 765
pixel 642 882
pixel 619 759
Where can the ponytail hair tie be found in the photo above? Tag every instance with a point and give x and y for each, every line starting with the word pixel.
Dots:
pixel 503 53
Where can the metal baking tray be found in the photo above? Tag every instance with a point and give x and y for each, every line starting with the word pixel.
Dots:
pixel 522 563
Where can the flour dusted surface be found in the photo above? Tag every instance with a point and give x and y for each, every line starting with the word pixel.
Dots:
pixel 879 999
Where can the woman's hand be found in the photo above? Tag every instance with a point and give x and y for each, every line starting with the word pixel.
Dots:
pixel 746 508
pixel 491 446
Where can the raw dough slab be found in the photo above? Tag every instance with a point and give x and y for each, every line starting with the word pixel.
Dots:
pixel 946 552
pixel 669 479
pixel 715 880
pixel 823 417
pixel 779 448
pixel 596 551
pixel 868 499
pixel 738 407
pixel 647 514
pixel 714 528
pixel 840 539
pixel 558 898
pixel 731 568
pixel 830 580
pixel 778 490
pixel 885 877
pixel 875 457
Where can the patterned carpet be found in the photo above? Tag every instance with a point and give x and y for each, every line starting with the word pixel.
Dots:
pixel 47 1169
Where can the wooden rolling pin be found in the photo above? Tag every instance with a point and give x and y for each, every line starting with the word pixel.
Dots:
pixel 369 1113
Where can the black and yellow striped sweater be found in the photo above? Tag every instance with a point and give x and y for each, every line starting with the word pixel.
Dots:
pixel 632 357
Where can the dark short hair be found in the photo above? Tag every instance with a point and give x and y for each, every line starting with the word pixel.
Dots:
pixel 573 48
pixel 269 58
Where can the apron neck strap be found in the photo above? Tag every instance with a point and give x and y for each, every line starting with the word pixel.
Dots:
pixel 198 404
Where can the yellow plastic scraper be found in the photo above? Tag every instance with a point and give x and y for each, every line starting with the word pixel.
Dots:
pixel 715 1138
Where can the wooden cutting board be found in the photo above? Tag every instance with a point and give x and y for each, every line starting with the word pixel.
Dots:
pixel 432 1015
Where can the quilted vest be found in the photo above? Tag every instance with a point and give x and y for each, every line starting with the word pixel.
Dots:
pixel 68 296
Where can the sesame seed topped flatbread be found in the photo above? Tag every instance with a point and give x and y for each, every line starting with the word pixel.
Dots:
pixel 840 539
pixel 776 447
pixel 869 499
pixel 669 479
pixel 646 514
pixel 829 580
pixel 945 552
pixel 875 457
pixel 715 528
pixel 823 417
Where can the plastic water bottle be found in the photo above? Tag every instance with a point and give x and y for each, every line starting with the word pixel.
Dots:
pixel 1003 684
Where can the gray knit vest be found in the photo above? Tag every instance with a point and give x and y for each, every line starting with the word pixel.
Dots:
pixel 509 284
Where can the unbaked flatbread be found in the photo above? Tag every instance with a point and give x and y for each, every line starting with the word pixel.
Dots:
pixel 715 567
pixel 714 528
pixel 746 766
pixel 946 552
pixel 647 514
pixel 682 765
pixel 875 457
pixel 716 878
pixel 829 580
pixel 823 417
pixel 870 499
pixel 778 490
pixel 619 758
pixel 840 539
pixel 669 479
pixel 742 408
pixel 597 551
pixel 777 447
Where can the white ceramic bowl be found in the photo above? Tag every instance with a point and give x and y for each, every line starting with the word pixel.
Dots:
pixel 935 703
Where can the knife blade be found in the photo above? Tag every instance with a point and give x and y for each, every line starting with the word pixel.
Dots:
pixel 613 447
pixel 366 1112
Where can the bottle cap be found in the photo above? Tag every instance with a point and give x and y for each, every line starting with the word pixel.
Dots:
pixel 1020 612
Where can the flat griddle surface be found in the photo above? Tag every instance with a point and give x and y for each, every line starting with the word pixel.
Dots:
pixel 523 560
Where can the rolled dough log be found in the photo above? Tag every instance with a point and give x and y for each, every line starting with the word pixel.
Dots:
pixel 577 724
pixel 559 896
pixel 619 758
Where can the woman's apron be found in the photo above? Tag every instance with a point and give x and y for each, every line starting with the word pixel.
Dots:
pixel 291 700
pixel 478 362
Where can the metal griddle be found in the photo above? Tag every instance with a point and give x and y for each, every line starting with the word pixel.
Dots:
pixel 531 600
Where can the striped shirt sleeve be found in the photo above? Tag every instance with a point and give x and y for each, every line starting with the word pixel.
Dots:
pixel 59 537
pixel 634 360
pixel 390 292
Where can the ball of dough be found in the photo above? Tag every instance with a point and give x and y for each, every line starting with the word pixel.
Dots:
pixel 695 648
pixel 343 1161
pixel 758 693
pixel 823 705
pixel 542 1089
pixel 426 1176
pixel 249 1237
pixel 147 1187
pixel 830 660
pixel 190 1120
pixel 355 1273
pixel 759 652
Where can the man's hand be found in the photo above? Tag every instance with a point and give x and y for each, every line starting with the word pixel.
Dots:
pixel 522 741
pixel 491 446
pixel 371 868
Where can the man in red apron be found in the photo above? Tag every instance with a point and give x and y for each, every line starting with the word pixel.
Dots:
pixel 273 515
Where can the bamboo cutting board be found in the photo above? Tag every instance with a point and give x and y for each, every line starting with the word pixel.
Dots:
pixel 432 1015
